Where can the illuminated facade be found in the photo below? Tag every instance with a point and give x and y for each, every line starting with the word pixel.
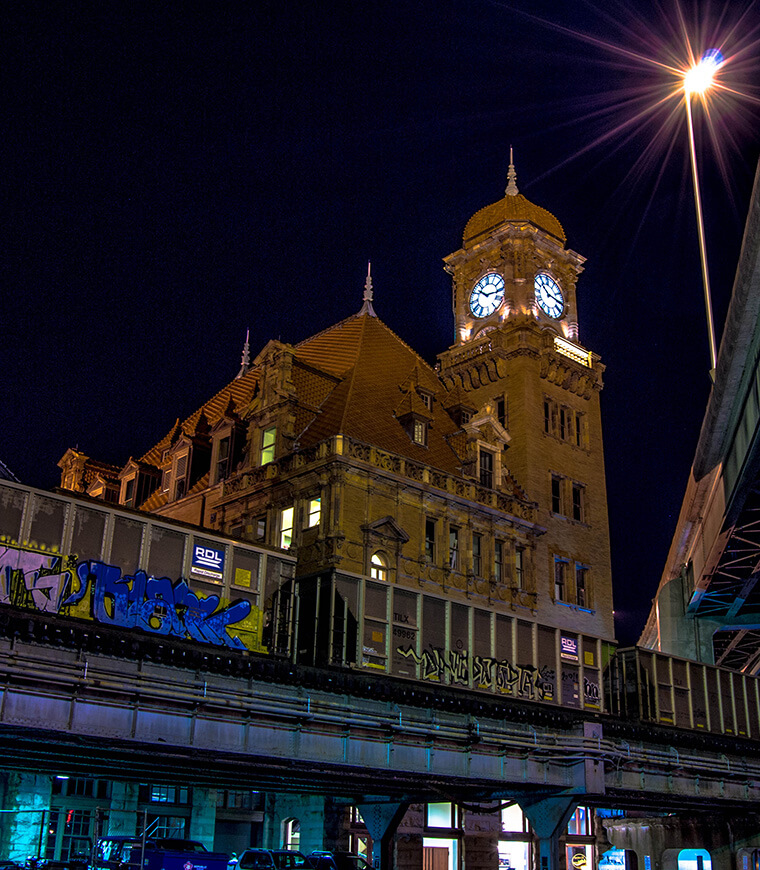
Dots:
pixel 449 523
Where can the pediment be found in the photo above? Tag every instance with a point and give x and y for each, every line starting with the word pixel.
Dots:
pixel 388 529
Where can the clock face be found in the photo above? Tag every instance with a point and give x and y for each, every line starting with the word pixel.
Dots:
pixel 548 295
pixel 487 295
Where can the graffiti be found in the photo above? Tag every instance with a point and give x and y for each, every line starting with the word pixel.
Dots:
pixel 590 692
pixel 526 681
pixel 56 584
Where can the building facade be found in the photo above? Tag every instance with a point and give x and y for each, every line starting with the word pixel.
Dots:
pixel 448 521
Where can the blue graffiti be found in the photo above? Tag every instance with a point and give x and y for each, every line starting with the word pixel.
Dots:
pixel 157 605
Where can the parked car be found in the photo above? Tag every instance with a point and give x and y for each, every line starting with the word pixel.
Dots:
pixel 169 853
pixel 337 860
pixel 272 859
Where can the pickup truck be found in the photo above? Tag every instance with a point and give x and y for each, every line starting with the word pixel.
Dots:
pixel 123 853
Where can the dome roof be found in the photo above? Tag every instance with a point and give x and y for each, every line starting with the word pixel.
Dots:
pixel 513 207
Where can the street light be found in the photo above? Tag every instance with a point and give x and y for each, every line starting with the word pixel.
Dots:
pixel 697 80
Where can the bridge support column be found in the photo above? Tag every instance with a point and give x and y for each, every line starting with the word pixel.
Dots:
pixel 122 816
pixel 382 818
pixel 23 832
pixel 203 816
pixel 549 818
pixel 308 811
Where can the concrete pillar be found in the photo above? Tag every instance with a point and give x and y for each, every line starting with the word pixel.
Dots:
pixel 549 819
pixel 122 815
pixel 203 816
pixel 23 833
pixel 310 812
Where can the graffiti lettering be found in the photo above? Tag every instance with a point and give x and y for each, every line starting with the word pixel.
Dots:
pixel 52 583
pixel 487 673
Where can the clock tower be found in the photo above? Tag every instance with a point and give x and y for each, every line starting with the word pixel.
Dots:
pixel 517 356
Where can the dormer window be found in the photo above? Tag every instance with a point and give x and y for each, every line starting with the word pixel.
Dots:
pixel 223 458
pixel 268 438
pixel 427 399
pixel 180 475
pixel 129 492
pixel 485 468
pixel 419 432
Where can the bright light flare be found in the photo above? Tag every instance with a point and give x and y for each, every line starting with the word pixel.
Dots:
pixel 699 78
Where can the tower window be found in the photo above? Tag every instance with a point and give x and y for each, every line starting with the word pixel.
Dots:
pixel 286 528
pixel 581 586
pixel 580 437
pixel 430 540
pixel 268 439
pixel 486 468
pixel 501 411
pixel 578 502
pixel 560 578
pixel 556 494
pixel 454 548
pixel 477 547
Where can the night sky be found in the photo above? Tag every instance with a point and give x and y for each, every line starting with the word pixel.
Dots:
pixel 174 174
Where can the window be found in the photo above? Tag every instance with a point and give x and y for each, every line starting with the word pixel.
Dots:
pixel 580 823
pixel 427 399
pixel 419 432
pixel 501 411
pixel 129 492
pixel 313 512
pixel 223 459
pixel 581 585
pixel 268 439
pixel 466 416
pixel 556 494
pixel 378 569
pixel 578 502
pixel 486 468
pixel 513 820
pixel 560 571
pixel 498 561
pixel 580 440
pixel 286 528
pixel 291 834
pixel 260 528
pixel 550 414
pixel 441 816
pixel 564 423
pixel 166 483
pixel 520 567
pixel 454 548
pixel 168 794
pixel 180 475
pixel 430 540
pixel 477 549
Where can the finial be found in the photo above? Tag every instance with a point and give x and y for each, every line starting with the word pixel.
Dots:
pixel 511 177
pixel 368 295
pixel 245 360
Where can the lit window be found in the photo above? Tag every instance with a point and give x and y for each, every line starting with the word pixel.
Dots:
pixel 581 585
pixel 313 512
pixel 441 815
pixel 477 548
pixel 560 571
pixel 578 502
pixel 519 567
pixel 378 569
pixel 513 820
pixel 498 561
pixel 454 548
pixel 291 834
pixel 286 528
pixel 580 823
pixel 486 468
pixel 268 438
pixel 419 432
pixel 556 494
pixel 430 540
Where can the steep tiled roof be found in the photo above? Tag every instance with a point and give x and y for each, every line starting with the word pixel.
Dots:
pixel 377 367
pixel 240 391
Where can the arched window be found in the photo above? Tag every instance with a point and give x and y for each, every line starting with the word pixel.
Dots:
pixel 291 834
pixel 378 569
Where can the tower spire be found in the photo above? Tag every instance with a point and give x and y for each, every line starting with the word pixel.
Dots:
pixel 368 295
pixel 511 177
pixel 245 360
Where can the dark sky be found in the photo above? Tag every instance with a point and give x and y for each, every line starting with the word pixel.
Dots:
pixel 174 174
